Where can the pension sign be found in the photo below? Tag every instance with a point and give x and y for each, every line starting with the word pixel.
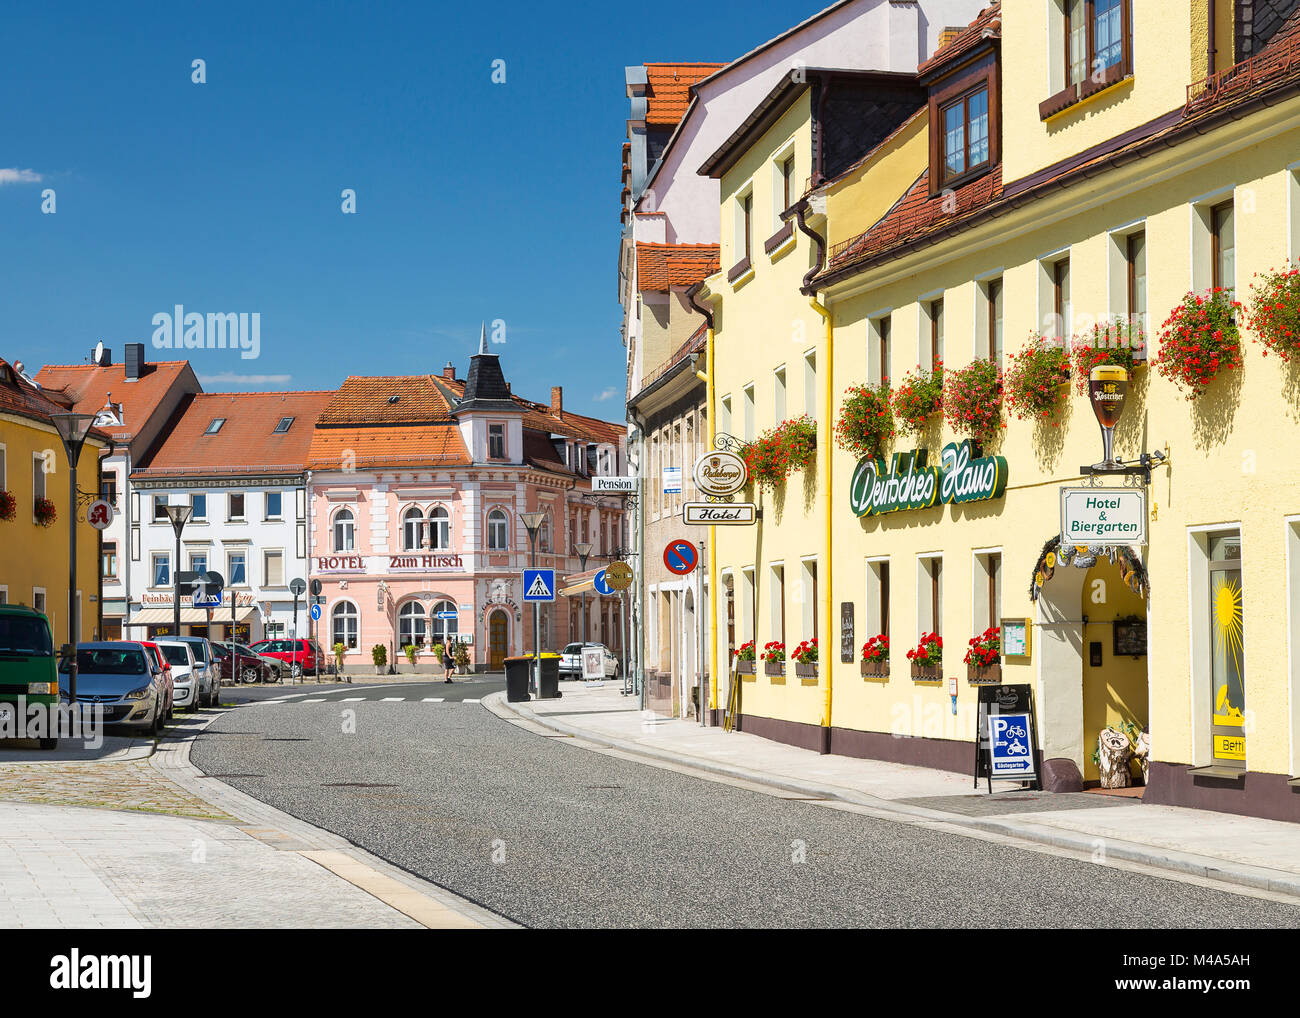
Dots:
pixel 910 483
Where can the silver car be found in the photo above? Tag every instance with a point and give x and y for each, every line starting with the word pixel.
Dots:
pixel 122 679
pixel 571 661
pixel 209 692
pixel 185 680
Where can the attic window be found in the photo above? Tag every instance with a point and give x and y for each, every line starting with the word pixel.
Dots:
pixel 283 426
pixel 215 426
pixel 393 399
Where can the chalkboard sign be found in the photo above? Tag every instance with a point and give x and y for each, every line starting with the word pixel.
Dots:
pixel 847 648
pixel 995 701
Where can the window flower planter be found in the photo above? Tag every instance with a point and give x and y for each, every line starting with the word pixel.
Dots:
pixel 927 673
pixel 984 674
pixel 778 452
pixel 745 667
pixel 875 669
pixel 1037 379
pixel 806 671
pixel 972 400
pixel 866 420
pixel 1119 342
pixel 8 505
pixel 917 400
pixel 1199 340
pixel 774 668
pixel 983 656
pixel 1273 311
pixel 45 512
pixel 927 658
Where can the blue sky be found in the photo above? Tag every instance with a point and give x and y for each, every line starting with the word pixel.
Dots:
pixel 474 200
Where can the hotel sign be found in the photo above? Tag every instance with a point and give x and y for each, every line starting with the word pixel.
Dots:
pixel 1103 516
pixel 719 514
pixel 396 563
pixel 910 483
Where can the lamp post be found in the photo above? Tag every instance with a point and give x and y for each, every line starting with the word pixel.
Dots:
pixel 533 522
pixel 179 516
pixel 583 551
pixel 73 429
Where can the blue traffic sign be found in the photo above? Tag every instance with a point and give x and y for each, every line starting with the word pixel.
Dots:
pixel 315 613
pixel 539 585
pixel 1010 747
pixel 600 584
pixel 681 556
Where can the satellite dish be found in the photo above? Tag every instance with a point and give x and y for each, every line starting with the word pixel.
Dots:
pixel 98 355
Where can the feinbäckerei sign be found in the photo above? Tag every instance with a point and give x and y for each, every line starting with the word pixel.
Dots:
pixel 1103 516
pixel 910 484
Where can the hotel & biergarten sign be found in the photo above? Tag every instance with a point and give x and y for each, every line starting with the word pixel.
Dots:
pixel 910 483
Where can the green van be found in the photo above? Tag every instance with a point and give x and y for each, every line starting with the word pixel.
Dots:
pixel 28 666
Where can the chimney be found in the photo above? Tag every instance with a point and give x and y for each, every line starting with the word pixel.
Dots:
pixel 449 372
pixel 948 34
pixel 557 398
pixel 134 362
pixel 106 358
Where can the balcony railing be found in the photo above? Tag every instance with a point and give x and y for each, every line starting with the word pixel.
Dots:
pixel 1273 61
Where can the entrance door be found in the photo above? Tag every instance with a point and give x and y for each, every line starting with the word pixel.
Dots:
pixel 497 629
pixel 1114 685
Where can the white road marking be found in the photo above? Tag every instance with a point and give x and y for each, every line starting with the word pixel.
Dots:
pixel 352 699
pixel 433 699
pixel 393 699
pixel 470 701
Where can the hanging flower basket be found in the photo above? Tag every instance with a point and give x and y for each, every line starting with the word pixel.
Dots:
pixel 918 399
pixel 1273 311
pixel 972 400
pixel 927 658
pixel 866 420
pixel 1200 339
pixel 45 512
pixel 1036 380
pixel 1120 342
pixel 875 657
pixel 780 451
pixel 984 656
pixel 8 505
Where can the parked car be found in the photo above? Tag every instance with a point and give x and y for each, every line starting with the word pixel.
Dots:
pixel 210 675
pixel 169 684
pixel 185 671
pixel 299 655
pixel 121 678
pixel 253 667
pixel 28 667
pixel 571 661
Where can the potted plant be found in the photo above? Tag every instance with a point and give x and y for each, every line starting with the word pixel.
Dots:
pixel 866 420
pixel 1199 339
pixel 805 659
pixel 1273 311
pixel 972 400
pixel 745 656
pixel 780 451
pixel 1118 341
pixel 984 656
pixel 1037 379
pixel 927 658
pixel 411 650
pixel 45 512
pixel 773 657
pixel 918 399
pixel 340 649
pixel 461 657
pixel 875 657
pixel 8 505
pixel 379 655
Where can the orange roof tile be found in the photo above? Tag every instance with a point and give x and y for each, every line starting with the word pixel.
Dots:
pixel 387 446
pixel 661 266
pixel 987 24
pixel 246 442
pixel 379 399
pixel 20 397
pixel 89 386
pixel 669 91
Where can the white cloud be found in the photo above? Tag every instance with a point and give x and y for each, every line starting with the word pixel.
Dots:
pixel 607 394
pixel 230 378
pixel 16 176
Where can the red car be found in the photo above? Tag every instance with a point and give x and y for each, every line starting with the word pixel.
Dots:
pixel 165 667
pixel 300 655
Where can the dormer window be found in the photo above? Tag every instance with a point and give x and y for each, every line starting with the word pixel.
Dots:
pixel 1090 49
pixel 215 425
pixel 285 424
pixel 965 118
pixel 966 134
pixel 496 441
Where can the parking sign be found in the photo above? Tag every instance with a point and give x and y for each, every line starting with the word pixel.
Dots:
pixel 1011 747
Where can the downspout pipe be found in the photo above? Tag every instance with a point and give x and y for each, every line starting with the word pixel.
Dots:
pixel 1212 49
pixel 692 295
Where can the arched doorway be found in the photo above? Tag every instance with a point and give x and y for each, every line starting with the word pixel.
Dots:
pixel 498 636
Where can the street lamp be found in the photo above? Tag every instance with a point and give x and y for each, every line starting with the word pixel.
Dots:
pixel 583 551
pixel 73 429
pixel 533 523
pixel 179 515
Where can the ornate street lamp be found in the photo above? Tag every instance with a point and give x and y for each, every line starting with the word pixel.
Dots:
pixel 73 429
pixel 583 551
pixel 533 523
pixel 179 516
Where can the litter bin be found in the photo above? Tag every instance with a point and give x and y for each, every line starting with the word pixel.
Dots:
pixel 518 673
pixel 550 677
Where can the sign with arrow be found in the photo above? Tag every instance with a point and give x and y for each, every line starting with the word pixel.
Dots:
pixel 1011 747
pixel 539 585
pixel 681 556
pixel 600 583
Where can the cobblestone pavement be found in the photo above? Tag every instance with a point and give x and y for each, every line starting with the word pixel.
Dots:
pixel 133 785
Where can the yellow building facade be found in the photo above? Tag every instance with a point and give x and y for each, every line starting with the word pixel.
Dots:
pixel 33 556
pixel 1111 196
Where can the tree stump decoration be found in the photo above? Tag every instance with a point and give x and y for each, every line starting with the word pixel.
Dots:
pixel 1143 755
pixel 1113 753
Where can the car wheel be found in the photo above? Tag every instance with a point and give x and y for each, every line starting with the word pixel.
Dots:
pixel 248 675
pixel 159 719
pixel 296 670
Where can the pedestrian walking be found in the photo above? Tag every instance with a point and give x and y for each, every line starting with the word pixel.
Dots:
pixel 448 662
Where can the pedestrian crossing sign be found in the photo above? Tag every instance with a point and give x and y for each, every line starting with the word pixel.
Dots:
pixel 539 585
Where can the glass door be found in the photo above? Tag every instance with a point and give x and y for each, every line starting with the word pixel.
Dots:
pixel 1227 670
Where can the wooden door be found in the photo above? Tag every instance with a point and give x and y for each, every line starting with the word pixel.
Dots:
pixel 497 630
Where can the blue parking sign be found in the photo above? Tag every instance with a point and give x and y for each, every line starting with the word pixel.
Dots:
pixel 1011 747
pixel 539 585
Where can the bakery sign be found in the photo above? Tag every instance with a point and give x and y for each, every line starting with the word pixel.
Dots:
pixel 395 563
pixel 164 600
pixel 910 483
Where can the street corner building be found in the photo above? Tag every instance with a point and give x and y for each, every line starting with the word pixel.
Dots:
pixel 1020 373
pixel 420 486
pixel 39 510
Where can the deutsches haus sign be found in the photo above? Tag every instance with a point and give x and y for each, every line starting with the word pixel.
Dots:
pixel 910 483
pixel 1103 516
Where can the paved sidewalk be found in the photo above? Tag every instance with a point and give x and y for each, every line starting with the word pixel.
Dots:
pixel 1260 854
pixel 169 847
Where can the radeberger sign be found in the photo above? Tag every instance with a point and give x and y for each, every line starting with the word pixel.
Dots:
pixel 910 483
pixel 719 473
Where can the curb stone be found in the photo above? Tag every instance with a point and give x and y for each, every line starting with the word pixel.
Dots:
pixel 1206 867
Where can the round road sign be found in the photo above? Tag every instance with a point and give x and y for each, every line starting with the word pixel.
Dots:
pixel 618 575
pixel 719 473
pixel 681 556
pixel 600 585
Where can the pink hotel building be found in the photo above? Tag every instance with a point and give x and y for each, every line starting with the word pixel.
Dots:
pixel 417 486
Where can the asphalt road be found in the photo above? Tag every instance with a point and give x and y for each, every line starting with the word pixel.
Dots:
pixel 553 835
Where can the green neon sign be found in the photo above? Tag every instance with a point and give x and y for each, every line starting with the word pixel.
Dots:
pixel 910 483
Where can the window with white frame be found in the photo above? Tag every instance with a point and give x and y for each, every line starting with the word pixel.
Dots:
pixel 877 601
pixel 345 624
pixel 986 597
pixel 38 477
pixel 198 561
pixel 498 530
pixel 749 413
pixel 929 595
pixel 274 505
pixel 160 508
pixel 237 568
pixel 235 506
pixel 444 630
pixel 161 568
pixel 198 507
pixel 412 529
pixel 496 441
pixel 879 354
pixel 776 601
pixel 344 530
pixel 412 625
pixel 439 529
pixel 273 568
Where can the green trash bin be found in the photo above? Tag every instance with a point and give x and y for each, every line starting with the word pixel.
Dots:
pixel 550 677
pixel 518 676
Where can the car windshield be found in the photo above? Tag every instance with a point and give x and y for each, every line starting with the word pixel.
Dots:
pixel 174 655
pixel 220 650
pixel 25 635
pixel 109 661
pixel 573 648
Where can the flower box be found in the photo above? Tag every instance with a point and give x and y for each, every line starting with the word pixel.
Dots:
pixel 875 669
pixel 984 674
pixel 745 667
pixel 806 671
pixel 927 673
pixel 774 668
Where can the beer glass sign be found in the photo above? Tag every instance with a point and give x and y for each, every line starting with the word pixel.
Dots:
pixel 1107 390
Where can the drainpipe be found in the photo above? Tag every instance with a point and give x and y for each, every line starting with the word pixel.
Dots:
pixel 707 377
pixel 638 605
pixel 1212 48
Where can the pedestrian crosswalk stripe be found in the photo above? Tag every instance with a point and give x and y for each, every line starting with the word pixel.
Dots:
pixel 433 699
pixel 319 699
pixel 352 699
pixel 469 701
pixel 392 699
